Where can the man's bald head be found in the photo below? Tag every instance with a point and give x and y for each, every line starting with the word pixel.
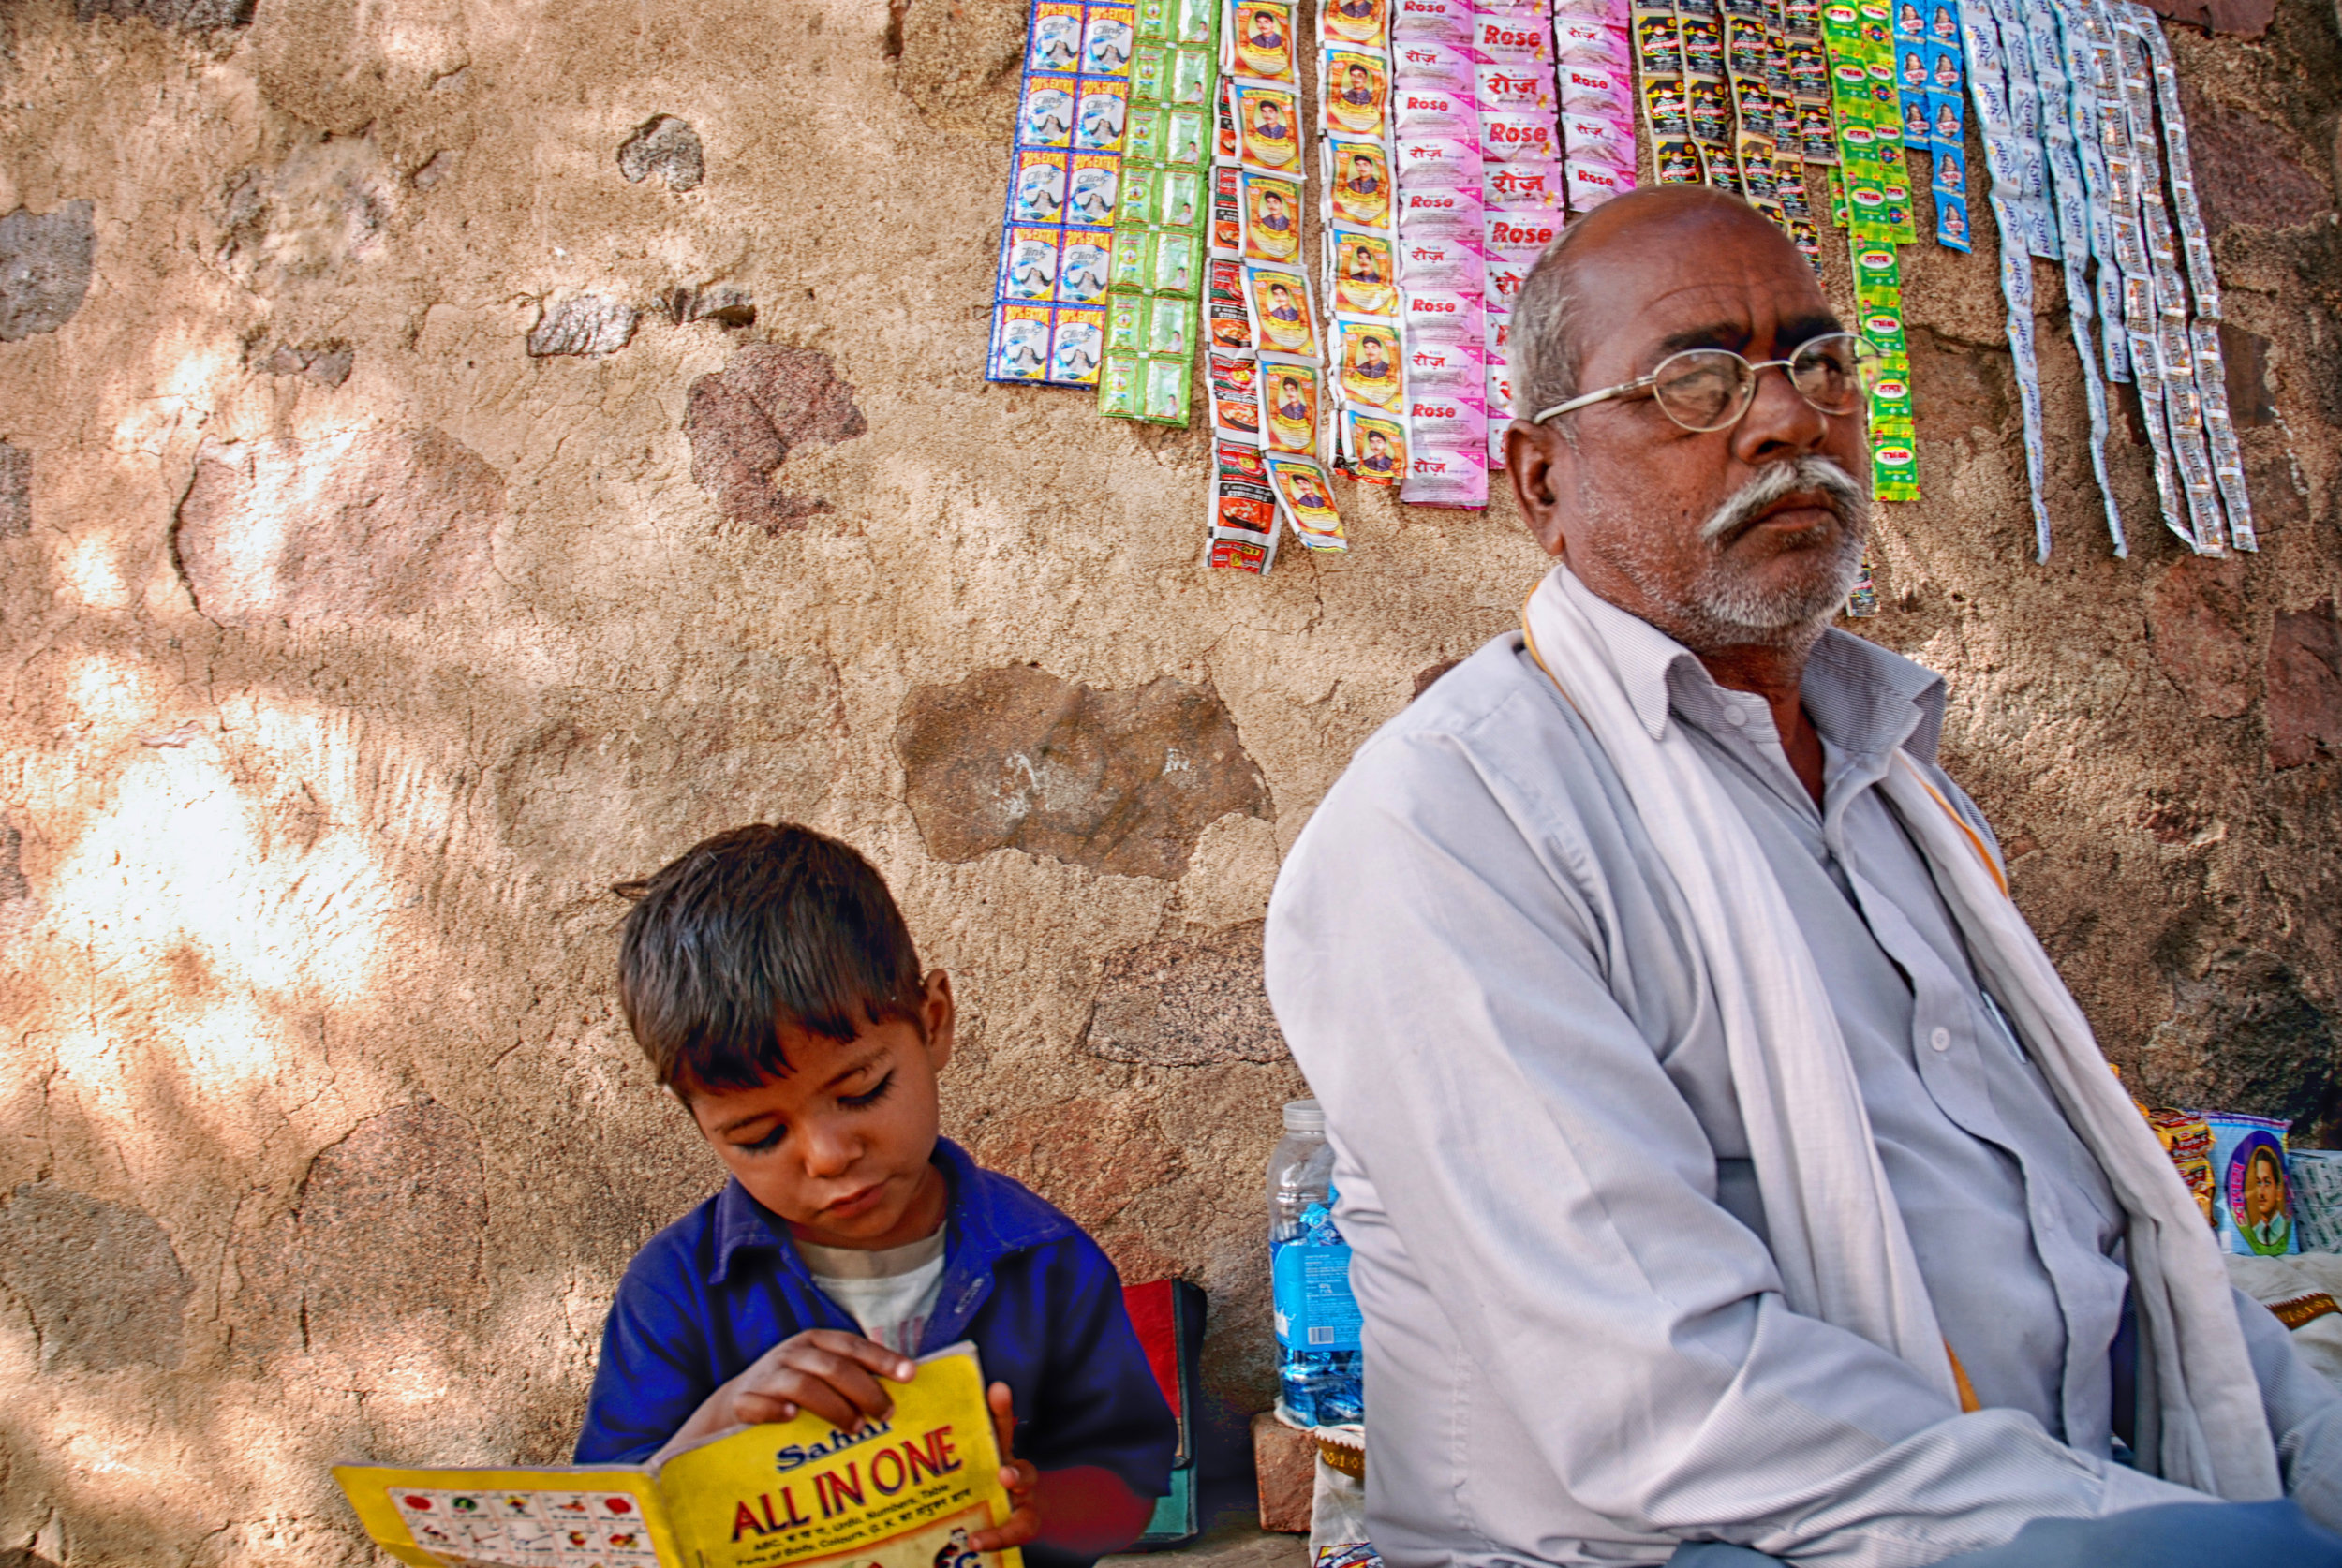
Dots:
pixel 1656 219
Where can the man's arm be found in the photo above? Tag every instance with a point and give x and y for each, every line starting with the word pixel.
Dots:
pixel 1442 980
pixel 2304 1413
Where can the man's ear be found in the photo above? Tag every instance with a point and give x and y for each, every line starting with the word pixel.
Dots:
pixel 1539 461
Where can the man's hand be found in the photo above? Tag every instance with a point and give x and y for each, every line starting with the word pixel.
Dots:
pixel 1087 1509
pixel 827 1371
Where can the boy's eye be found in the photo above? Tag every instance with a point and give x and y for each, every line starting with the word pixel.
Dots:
pixel 770 1139
pixel 868 1097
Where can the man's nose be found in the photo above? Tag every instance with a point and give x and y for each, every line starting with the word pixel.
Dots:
pixel 1780 425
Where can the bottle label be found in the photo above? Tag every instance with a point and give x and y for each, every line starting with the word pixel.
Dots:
pixel 1315 1310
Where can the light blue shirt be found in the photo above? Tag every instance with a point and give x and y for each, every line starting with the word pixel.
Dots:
pixel 1577 1349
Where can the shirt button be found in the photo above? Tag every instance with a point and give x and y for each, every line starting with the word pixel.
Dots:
pixel 1940 1039
pixel 1736 715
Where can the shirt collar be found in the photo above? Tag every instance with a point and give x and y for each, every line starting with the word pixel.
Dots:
pixel 1861 697
pixel 989 1218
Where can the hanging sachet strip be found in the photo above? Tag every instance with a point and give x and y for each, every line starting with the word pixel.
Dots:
pixel 1657 34
pixel 2092 273
pixel 1257 45
pixel 1861 54
pixel 1814 143
pixel 2210 374
pixel 1988 85
pixel 1932 75
pixel 1049 315
pixel 1259 172
pixel 1522 176
pixel 1788 154
pixel 2069 196
pixel 1156 272
pixel 1592 71
pixel 1886 118
pixel 2135 279
pixel 2156 309
pixel 1290 387
pixel 1434 121
pixel 1359 232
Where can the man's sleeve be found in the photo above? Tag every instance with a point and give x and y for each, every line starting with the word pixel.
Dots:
pixel 653 1373
pixel 2304 1413
pixel 1100 1404
pixel 1441 976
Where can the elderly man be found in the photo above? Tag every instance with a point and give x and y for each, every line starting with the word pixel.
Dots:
pixel 1731 1177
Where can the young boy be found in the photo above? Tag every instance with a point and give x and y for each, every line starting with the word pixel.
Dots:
pixel 770 979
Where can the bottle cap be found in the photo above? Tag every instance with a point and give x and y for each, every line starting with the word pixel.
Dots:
pixel 1304 1115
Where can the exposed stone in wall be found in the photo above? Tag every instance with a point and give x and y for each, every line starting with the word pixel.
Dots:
pixel 187 16
pixel 16 491
pixel 2244 1036
pixel 1969 388
pixel 100 1279
pixel 2251 404
pixel 381 1248
pixel 381 523
pixel 45 261
pixel 953 56
pixel 1120 781
pixel 605 787
pixel 437 167
pixel 321 208
pixel 2195 615
pixel 327 364
pixel 667 147
pixel 2304 687
pixel 1187 1002
pixel 721 303
pixel 584 324
pixel 1092 1156
pixel 345 64
pixel 2244 19
pixel 2244 175
pixel 12 883
pixel 409 1181
pixel 743 421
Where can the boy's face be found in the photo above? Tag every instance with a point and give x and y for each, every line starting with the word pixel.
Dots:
pixel 841 1147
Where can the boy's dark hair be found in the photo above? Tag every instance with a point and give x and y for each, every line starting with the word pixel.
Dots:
pixel 757 930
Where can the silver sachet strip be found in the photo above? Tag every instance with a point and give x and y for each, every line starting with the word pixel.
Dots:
pixel 2211 370
pixel 1988 84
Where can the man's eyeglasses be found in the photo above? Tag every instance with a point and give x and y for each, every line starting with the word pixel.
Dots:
pixel 1710 389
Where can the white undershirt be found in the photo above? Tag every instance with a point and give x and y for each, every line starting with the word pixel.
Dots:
pixel 891 1294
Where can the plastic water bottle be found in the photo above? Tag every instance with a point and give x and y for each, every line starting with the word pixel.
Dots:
pixel 1320 1380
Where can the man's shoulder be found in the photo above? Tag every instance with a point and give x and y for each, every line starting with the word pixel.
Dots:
pixel 1493 710
pixel 1487 759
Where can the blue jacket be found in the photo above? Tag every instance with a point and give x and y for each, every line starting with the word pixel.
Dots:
pixel 722 1285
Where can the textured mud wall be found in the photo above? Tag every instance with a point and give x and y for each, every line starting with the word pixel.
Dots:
pixel 454 456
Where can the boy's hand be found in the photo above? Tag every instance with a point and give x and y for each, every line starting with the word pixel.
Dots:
pixel 827 1371
pixel 1021 1476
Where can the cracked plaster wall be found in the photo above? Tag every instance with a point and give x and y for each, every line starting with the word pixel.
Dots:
pixel 454 456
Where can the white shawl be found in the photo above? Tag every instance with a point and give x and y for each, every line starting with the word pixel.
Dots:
pixel 1837 1234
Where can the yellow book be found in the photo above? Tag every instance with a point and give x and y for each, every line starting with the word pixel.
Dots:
pixel 906 1492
